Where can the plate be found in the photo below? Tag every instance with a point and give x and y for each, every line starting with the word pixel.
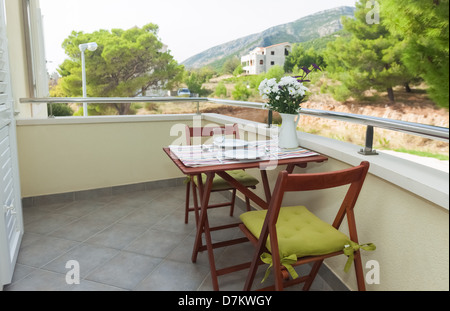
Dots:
pixel 243 154
pixel 230 143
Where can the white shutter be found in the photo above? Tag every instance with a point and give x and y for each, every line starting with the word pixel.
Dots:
pixel 4 68
pixel 3 73
pixel 11 223
pixel 7 195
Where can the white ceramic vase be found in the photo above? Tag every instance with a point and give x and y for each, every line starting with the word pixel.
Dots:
pixel 287 137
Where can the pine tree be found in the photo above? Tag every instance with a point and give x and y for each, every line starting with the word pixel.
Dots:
pixel 425 26
pixel 370 58
pixel 126 63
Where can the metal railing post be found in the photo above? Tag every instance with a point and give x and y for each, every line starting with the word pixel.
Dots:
pixel 51 110
pixel 269 118
pixel 369 143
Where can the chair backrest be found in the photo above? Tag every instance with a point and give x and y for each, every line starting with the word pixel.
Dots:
pixel 209 131
pixel 354 177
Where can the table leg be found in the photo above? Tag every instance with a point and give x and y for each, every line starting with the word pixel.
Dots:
pixel 265 181
pixel 203 227
pixel 194 194
pixel 290 168
pixel 201 218
pixel 244 190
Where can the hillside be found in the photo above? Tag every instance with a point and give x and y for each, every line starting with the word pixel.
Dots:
pixel 304 29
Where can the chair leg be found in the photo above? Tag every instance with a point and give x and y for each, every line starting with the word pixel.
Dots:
pixel 252 271
pixel 312 275
pixel 233 200
pixel 247 203
pixel 186 213
pixel 278 275
pixel 359 271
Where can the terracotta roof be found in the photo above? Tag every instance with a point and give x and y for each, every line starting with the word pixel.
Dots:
pixel 276 45
pixel 262 48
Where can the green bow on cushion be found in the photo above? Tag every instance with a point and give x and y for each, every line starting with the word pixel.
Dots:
pixel 351 248
pixel 287 262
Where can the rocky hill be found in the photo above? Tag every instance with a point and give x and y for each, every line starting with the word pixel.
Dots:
pixel 304 29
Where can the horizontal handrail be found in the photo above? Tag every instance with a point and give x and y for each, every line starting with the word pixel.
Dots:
pixel 237 103
pixel 418 129
pixel 108 100
pixel 423 130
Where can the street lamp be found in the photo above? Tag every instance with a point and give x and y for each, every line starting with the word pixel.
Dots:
pixel 92 46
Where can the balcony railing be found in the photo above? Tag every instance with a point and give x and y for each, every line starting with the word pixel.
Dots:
pixel 423 130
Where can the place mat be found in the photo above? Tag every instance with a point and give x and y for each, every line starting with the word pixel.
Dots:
pixel 208 155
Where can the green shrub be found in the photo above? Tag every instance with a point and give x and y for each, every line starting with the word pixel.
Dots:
pixel 238 70
pixel 276 72
pixel 221 90
pixel 256 80
pixel 241 91
pixel 59 110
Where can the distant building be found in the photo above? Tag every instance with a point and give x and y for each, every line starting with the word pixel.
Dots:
pixel 262 59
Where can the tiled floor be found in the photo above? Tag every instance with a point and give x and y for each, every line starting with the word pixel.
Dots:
pixel 134 242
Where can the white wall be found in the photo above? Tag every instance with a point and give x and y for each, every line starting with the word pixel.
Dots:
pixel 278 58
pixel 70 154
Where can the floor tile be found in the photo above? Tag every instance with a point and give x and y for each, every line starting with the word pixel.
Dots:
pixel 126 270
pixel 90 286
pixel 44 250
pixel 49 223
pixel 129 241
pixel 40 280
pixel 135 199
pixel 81 229
pixel 111 212
pixel 174 276
pixel 21 271
pixel 183 253
pixel 116 236
pixel 31 214
pixel 174 222
pixel 144 216
pixel 156 243
pixel 89 257
pixel 80 208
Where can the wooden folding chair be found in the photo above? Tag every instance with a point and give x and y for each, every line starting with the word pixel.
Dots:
pixel 290 236
pixel 219 184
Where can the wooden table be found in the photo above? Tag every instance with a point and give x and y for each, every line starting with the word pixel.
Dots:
pixel 205 191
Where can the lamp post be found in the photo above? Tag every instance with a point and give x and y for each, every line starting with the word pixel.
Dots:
pixel 92 46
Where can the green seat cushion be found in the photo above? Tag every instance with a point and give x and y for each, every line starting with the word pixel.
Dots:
pixel 299 232
pixel 240 175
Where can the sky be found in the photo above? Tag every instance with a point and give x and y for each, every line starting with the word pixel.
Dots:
pixel 188 27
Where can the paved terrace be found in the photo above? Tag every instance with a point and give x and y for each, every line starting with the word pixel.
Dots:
pixel 127 241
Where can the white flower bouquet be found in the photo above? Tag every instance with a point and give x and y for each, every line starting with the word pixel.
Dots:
pixel 286 95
